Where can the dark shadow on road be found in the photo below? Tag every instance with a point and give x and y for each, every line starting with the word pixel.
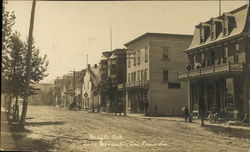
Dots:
pixel 44 123
pixel 231 132
pixel 24 143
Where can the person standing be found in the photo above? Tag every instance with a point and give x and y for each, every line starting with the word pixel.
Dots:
pixel 202 110
pixel 146 107
pixel 186 112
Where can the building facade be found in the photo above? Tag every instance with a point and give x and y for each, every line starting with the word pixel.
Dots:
pixel 219 56
pixel 153 60
pixel 113 78
pixel 90 95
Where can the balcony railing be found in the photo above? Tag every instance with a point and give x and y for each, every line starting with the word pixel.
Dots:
pixel 211 70
pixel 137 84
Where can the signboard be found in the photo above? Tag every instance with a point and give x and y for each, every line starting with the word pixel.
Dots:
pixel 85 94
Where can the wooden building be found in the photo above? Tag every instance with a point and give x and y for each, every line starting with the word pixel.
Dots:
pixel 219 57
pixel 90 95
pixel 113 78
pixel 153 60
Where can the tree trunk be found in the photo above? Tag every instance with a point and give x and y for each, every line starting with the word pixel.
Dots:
pixel 15 115
pixel 29 68
pixel 9 103
pixel 24 112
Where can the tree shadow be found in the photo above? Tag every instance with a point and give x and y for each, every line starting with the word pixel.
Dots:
pixel 44 123
pixel 231 132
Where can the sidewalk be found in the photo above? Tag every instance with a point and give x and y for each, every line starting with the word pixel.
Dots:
pixel 181 119
pixel 7 142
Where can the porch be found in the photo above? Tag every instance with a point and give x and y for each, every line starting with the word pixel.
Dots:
pixel 227 68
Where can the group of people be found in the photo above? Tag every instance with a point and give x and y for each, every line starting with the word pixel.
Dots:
pixel 201 112
pixel 216 115
pixel 197 65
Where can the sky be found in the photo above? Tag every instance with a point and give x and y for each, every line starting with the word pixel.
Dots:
pixel 68 31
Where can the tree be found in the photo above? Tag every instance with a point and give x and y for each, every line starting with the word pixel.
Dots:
pixel 17 64
pixel 7 23
pixel 15 72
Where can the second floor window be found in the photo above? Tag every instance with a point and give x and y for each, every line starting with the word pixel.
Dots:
pixel 129 64
pixel 236 53
pixel 146 54
pixel 165 75
pixel 165 52
pixel 213 37
pixel 225 55
pixel 138 57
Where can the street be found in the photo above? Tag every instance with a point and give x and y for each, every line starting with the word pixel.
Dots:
pixel 56 129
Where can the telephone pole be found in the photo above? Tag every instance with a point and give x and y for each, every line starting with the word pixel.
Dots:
pixel 28 69
pixel 219 7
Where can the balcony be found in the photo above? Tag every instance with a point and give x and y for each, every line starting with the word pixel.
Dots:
pixel 137 84
pixel 223 69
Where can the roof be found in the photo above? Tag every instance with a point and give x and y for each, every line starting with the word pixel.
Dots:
pixel 157 34
pixel 240 15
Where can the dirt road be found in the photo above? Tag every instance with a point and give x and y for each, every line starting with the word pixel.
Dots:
pixel 63 130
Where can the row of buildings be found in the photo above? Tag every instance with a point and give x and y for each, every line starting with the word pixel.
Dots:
pixel 165 71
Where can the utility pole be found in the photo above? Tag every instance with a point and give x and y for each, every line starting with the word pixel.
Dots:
pixel 110 38
pixel 219 7
pixel 74 86
pixel 28 70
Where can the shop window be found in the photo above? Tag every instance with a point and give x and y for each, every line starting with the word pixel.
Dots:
pixel 174 85
pixel 146 74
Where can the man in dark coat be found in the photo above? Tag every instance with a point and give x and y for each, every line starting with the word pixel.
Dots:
pixel 202 110
pixel 186 112
pixel 146 107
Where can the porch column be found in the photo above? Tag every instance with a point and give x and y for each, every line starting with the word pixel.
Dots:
pixel 190 107
pixel 206 95
pixel 246 93
pixel 126 104
pixel 215 89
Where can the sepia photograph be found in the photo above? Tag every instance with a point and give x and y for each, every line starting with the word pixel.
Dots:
pixel 125 76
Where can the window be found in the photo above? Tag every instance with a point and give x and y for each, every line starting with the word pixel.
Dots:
pixel 146 54
pixel 225 55
pixel 129 64
pixel 213 37
pixel 205 32
pixel 202 39
pixel 225 31
pixel 128 77
pixel 146 74
pixel 165 52
pixel 135 56
pixel 236 53
pixel 142 77
pixel 138 75
pixel 237 48
pixel 138 57
pixel 165 75
pixel 174 85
